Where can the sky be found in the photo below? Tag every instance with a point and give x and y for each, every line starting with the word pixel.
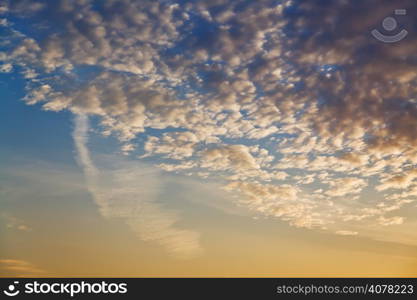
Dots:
pixel 207 138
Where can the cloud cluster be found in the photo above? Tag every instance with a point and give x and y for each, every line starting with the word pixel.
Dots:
pixel 292 103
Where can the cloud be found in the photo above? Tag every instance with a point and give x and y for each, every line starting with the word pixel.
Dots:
pixel 346 186
pixel 20 268
pixel 128 191
pixel 16 223
pixel 346 232
pixel 177 145
pixel 391 221
pixel 236 157
pixel 269 94
pixel 6 68
pixel 398 181
pixel 283 201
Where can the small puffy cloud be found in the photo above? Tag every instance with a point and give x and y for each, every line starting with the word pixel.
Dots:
pixel 15 223
pixel 347 232
pixel 127 148
pixel 6 68
pixel 398 181
pixel 345 186
pixel 235 157
pixel 176 145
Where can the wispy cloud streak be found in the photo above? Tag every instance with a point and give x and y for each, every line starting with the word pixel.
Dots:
pixel 130 193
